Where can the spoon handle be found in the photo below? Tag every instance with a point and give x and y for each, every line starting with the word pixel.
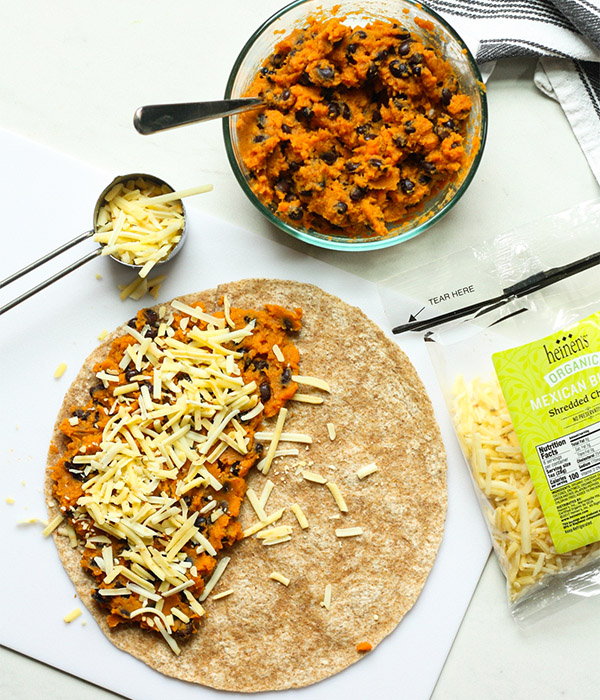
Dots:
pixel 153 118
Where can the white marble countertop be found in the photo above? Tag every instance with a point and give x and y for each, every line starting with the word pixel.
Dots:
pixel 73 74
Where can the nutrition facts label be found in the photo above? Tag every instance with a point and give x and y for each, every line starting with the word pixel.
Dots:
pixel 571 457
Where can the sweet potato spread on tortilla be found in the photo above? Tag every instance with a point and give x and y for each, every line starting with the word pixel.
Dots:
pixel 150 531
pixel 361 125
pixel 252 474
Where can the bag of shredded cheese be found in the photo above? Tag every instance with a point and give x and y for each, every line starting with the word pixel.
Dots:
pixel 522 383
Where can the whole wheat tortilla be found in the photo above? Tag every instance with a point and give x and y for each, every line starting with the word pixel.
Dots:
pixel 266 636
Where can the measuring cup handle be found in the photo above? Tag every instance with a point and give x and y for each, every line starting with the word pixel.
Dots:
pixel 49 256
pixel 50 280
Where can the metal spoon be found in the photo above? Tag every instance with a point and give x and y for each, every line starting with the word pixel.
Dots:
pixel 82 237
pixel 153 118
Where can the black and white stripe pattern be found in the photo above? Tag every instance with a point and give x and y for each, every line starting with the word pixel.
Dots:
pixel 565 34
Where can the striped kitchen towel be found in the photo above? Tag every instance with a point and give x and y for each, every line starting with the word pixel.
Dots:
pixel 565 34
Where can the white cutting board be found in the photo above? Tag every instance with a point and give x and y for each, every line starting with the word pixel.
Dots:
pixel 46 199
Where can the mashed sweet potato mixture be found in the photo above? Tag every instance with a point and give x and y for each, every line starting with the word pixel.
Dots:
pixel 130 488
pixel 361 126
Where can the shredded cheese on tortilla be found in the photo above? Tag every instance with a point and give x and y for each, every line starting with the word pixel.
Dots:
pixel 276 576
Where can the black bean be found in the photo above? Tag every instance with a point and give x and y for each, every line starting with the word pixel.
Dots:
pixel 346 111
pixel 265 391
pixel 404 47
pixel 361 34
pixel 224 505
pixel 304 114
pixel 306 193
pixel 357 193
pixel 446 97
pixel 132 323
pixel 424 179
pixel 259 364
pixel 96 389
pixel 295 213
pixel 428 167
pixel 449 124
pixel 362 129
pixel 373 71
pixel 286 129
pixel 283 185
pixel 416 70
pixel 248 319
pixel 399 142
pixel 325 73
pixel 351 166
pixel 201 522
pixel 294 165
pixel 285 95
pixel 333 110
pixel 399 69
pixel 376 162
pixel 415 58
pixel 304 79
pixel 259 138
pixel 151 332
pixel 75 471
pixel 259 448
pixel 376 115
pixel 130 372
pixel 277 60
pixel 287 325
pixel 261 120
pixel 409 128
pixel 380 55
pixel 265 71
pixel 351 48
pixel 151 316
pixel 370 137
pixel 407 185
pixel 340 207
pixel 329 157
pixel 286 376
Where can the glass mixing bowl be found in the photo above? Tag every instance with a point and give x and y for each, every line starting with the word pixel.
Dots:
pixel 440 36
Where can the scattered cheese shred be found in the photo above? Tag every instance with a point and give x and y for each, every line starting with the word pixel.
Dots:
pixel 276 576
pixel 265 464
pixel 366 470
pixel 73 615
pixel 52 525
pixel 278 354
pixel 337 496
pixel 103 333
pixel 224 594
pixel 274 517
pixel 313 476
pixel 311 381
pixel 348 531
pixel 300 517
pixel 326 602
pixel 60 370
pixel 307 398
pixel 331 431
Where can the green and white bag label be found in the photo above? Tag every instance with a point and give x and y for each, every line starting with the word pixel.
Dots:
pixel 552 389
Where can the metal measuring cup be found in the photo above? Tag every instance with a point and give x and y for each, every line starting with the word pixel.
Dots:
pixel 82 237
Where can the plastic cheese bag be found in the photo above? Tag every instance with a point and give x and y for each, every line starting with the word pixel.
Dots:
pixel 522 384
